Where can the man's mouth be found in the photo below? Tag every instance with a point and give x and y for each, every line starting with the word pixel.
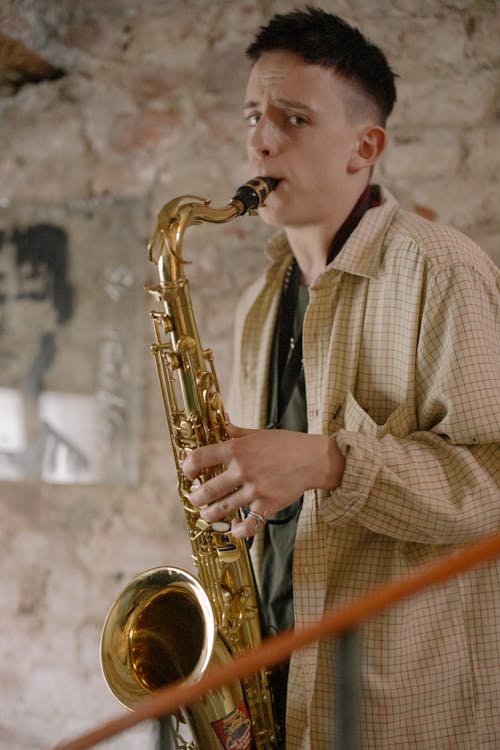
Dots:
pixel 275 181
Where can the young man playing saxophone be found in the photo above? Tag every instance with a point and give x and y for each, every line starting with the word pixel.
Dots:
pixel 373 343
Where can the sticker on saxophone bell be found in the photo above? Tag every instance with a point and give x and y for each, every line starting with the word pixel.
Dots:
pixel 235 730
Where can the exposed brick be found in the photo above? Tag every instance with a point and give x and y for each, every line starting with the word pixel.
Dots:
pixel 149 109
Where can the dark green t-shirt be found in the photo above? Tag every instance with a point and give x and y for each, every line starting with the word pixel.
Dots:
pixel 280 532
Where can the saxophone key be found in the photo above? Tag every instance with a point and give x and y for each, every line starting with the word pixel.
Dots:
pixel 202 526
pixel 174 360
pixel 221 527
pixel 228 553
pixel 167 323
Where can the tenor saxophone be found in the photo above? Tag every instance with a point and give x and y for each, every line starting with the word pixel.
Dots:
pixel 167 624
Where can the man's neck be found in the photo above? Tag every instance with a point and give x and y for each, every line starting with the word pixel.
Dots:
pixel 311 244
pixel 310 248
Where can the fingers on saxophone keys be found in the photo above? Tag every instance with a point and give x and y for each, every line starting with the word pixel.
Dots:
pixel 204 457
pixel 220 508
pixel 188 468
pixel 211 491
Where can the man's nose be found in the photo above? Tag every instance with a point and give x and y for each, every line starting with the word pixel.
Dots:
pixel 264 138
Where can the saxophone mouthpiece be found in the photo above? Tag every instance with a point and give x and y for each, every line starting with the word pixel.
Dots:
pixel 253 194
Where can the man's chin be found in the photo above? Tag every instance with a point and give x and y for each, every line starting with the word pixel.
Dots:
pixel 271 217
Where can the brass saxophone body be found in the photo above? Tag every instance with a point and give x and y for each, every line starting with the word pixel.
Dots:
pixel 168 625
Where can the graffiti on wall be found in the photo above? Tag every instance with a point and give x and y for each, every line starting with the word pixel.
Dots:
pixel 70 303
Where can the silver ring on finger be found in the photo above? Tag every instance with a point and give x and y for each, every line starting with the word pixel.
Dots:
pixel 261 520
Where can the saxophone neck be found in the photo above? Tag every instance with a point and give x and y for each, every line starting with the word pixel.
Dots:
pixel 165 247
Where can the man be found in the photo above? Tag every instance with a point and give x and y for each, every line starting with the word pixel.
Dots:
pixel 391 408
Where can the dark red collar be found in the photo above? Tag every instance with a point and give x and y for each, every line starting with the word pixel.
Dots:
pixel 369 198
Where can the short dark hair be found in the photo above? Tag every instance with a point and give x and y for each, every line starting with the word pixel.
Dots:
pixel 322 38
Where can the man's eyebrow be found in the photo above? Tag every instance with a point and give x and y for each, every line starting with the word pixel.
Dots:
pixel 294 104
pixel 251 104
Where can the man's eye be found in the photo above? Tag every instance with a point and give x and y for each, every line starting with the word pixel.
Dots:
pixel 252 120
pixel 297 120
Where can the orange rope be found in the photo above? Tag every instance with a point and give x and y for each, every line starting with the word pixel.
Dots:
pixel 277 649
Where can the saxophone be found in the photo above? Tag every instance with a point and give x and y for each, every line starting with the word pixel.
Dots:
pixel 168 625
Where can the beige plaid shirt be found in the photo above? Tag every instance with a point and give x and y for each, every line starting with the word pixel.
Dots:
pixel 402 362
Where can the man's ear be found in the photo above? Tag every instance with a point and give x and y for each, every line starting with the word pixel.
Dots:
pixel 369 145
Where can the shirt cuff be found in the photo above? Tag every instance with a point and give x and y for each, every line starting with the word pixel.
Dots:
pixel 363 463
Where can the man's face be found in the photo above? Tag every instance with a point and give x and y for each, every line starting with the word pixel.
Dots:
pixel 26 313
pixel 299 132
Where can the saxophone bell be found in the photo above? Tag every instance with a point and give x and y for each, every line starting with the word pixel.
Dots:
pixel 161 630
pixel 144 637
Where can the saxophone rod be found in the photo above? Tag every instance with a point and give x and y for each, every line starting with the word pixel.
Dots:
pixel 278 648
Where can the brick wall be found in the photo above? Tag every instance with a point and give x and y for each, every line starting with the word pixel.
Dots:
pixel 149 108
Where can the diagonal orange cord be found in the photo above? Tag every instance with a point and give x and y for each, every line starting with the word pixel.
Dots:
pixel 278 648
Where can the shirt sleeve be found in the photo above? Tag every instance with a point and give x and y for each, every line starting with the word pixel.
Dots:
pixel 438 483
